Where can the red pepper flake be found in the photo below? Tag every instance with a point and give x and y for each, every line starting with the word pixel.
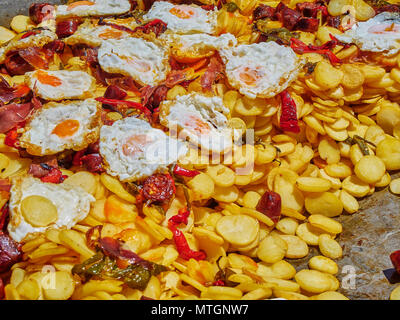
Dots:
pixel 270 205
pixel 179 238
pixel 288 120
pixel 300 47
pixel 179 171
pixel 395 258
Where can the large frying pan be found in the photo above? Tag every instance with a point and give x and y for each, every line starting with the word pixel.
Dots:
pixel 368 238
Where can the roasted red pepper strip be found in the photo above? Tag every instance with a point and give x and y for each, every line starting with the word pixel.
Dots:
pixel 157 26
pixel 300 47
pixel 183 247
pixel 288 120
pixel 179 171
pixel 11 139
pixel 179 238
pixel 30 33
pixel 220 283
pixel 395 258
pixel 131 104
pixel 181 217
pixel 4 215
pixel 270 205
pixel 54 176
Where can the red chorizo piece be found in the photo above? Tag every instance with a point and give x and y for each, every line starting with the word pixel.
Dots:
pixel 270 205
pixel 158 187
pixel 395 258
pixel 67 27
pixel 263 11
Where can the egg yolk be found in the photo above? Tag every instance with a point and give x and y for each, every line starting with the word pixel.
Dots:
pixel 249 76
pixel 66 128
pixel 135 144
pixel 384 28
pixel 183 12
pixel 197 124
pixel 78 4
pixel 45 78
pixel 111 34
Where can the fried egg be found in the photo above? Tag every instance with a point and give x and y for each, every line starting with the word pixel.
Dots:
pixel 93 8
pixel 378 34
pixel 201 120
pixel 133 150
pixel 199 45
pixel 145 61
pixel 260 69
pixel 183 18
pixel 60 126
pixel 26 40
pixel 69 205
pixel 92 34
pixel 61 84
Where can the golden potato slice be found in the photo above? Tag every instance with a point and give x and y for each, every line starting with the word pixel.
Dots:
pixel 38 211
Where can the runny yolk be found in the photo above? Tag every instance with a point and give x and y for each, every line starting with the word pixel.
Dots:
pixel 183 12
pixel 384 28
pixel 134 144
pixel 78 4
pixel 110 34
pixel 45 78
pixel 249 76
pixel 197 124
pixel 66 128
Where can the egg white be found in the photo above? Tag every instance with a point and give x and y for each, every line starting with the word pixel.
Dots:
pixel 200 119
pixel 200 21
pixel 72 203
pixel 38 138
pixel 74 85
pixel 363 36
pixel 154 149
pixel 194 44
pixel 91 34
pixel 276 67
pixel 145 61
pixel 99 8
